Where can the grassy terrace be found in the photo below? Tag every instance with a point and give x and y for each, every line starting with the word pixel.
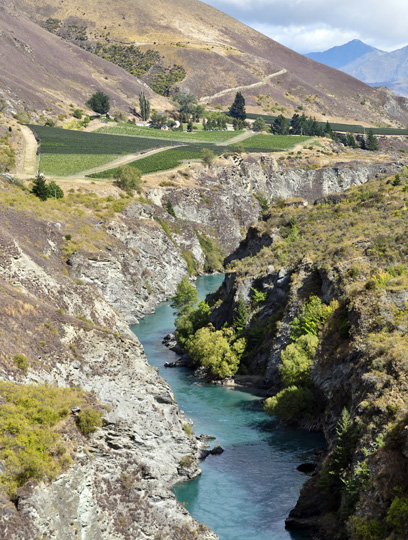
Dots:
pixel 65 152
pixel 264 142
pixel 199 135
pixel 162 161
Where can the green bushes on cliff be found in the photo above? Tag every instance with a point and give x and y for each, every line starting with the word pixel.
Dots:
pixel 299 402
pixel 33 419
pixel 218 350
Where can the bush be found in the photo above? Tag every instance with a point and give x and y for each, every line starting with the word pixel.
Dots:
pixel 217 350
pixel 21 362
pixel 314 315
pixel 89 420
pixel 99 102
pixel 397 517
pixel 291 404
pixel 296 360
pixel 128 178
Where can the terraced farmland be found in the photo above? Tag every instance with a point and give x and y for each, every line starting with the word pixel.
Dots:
pixel 64 152
pixel 162 161
pixel 200 135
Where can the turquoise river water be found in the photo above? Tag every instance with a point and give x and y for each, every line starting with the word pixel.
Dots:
pixel 247 492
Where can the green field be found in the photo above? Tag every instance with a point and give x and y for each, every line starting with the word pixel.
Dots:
pixel 64 152
pixel 162 161
pixel 137 131
pixel 69 164
pixel 352 128
pixel 259 143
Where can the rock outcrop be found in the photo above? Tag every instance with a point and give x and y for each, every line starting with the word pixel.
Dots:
pixel 119 483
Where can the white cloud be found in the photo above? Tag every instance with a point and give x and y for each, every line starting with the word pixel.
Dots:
pixel 315 25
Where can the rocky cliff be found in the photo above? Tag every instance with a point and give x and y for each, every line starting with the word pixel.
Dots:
pixel 69 335
pixel 332 277
pixel 74 273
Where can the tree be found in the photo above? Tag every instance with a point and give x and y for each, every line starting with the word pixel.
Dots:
pixel 350 140
pixel 157 120
pixel 371 143
pixel 259 124
pixel 240 315
pixel 186 297
pixel 45 191
pixel 280 125
pixel 128 178
pixel 99 102
pixel 39 188
pixel 54 191
pixel 207 157
pixel 144 104
pixel 237 109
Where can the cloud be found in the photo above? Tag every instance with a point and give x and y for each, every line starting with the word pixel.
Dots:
pixel 314 25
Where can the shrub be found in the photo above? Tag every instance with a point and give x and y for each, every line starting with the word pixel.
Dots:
pixel 128 178
pixel 99 102
pixel 397 517
pixel 291 404
pixel 170 209
pixel 89 420
pixel 21 362
pixel 296 360
pixel 314 315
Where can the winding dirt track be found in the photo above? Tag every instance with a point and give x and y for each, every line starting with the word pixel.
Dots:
pixel 31 159
pixel 246 87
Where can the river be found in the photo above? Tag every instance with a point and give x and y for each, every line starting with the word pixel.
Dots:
pixel 247 492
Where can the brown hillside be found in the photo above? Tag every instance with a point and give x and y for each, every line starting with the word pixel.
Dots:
pixel 220 53
pixel 40 72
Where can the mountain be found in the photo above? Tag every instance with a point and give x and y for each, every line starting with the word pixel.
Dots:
pixel 339 56
pixel 213 55
pixel 371 66
pixel 40 72
pixel 381 68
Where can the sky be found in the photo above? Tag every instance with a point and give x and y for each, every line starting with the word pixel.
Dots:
pixel 317 25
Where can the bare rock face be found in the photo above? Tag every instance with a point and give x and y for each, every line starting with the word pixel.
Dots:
pixel 119 483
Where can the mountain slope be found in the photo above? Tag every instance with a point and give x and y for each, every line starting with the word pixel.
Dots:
pixel 219 53
pixel 380 68
pixel 39 71
pixel 339 56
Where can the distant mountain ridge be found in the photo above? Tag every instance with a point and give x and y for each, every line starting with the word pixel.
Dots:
pixel 372 66
pixel 341 55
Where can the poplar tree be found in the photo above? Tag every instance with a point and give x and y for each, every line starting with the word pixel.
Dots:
pixel 144 104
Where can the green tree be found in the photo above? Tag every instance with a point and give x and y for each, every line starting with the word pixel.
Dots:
pixel 99 102
pixel 280 125
pixel 170 209
pixel 240 315
pixel 144 104
pixel 128 178
pixel 217 350
pixel 187 102
pixel 371 143
pixel 259 124
pixel 186 297
pixel 237 109
pixel 54 191
pixel 350 140
pixel 40 188
pixel 157 120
